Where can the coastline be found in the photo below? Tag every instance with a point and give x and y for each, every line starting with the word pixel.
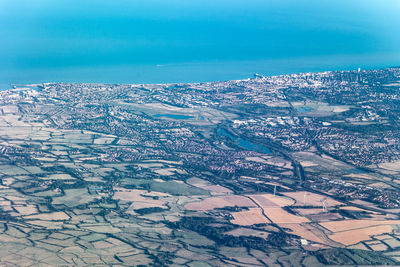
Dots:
pixel 196 72
pixel 13 86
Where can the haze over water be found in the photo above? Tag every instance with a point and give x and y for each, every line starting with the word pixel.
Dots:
pixel 154 41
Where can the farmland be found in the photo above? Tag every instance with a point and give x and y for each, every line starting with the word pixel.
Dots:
pixel 281 171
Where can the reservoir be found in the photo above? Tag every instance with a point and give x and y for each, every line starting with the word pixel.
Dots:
pixel 244 143
pixel 173 116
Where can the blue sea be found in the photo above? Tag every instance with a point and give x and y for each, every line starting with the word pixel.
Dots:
pixel 165 41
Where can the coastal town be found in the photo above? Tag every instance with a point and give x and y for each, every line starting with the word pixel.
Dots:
pixel 290 170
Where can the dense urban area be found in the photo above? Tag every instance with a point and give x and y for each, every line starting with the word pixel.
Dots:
pixel 292 170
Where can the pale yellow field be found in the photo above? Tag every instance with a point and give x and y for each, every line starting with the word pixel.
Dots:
pixel 352 208
pixel 379 247
pixel 8 239
pixel 350 232
pixel 102 245
pixel 5 203
pixel 352 237
pixel 393 243
pixel 55 216
pixel 359 246
pixel 47 224
pixel 272 208
pixel 26 210
pixel 280 216
pixel 278 200
pixel 249 217
pixel 346 225
pixel 380 185
pixel 392 166
pixel 308 164
pixel 8 181
pixel 382 237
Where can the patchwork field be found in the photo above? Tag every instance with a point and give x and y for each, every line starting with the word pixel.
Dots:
pixel 249 217
pixel 349 232
pixel 293 170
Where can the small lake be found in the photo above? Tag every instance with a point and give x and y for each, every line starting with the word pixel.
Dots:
pixel 304 109
pixel 244 143
pixel 173 116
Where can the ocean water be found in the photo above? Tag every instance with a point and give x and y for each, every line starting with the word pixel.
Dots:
pixel 163 41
